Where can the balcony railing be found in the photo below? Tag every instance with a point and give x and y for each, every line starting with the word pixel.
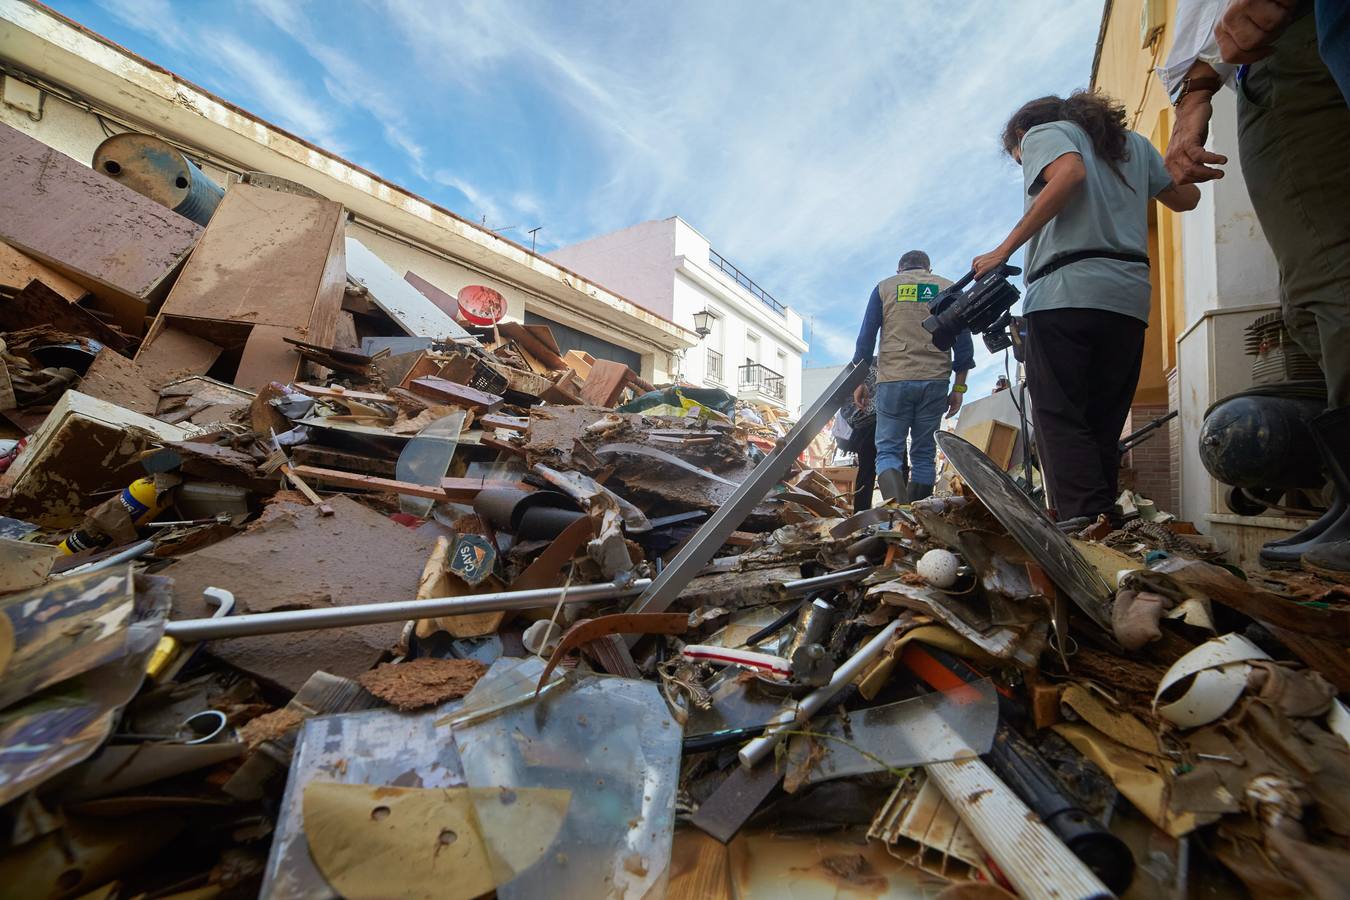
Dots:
pixel 714 366
pixel 744 281
pixel 756 377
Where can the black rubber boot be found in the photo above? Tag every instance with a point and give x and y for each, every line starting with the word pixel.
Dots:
pixel 918 491
pixel 892 484
pixel 1329 561
pixel 1331 431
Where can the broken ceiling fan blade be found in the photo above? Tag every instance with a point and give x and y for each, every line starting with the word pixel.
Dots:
pixel 1030 526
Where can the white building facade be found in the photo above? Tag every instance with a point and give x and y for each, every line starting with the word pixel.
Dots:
pixel 755 346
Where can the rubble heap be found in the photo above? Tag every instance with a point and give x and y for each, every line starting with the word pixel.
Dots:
pixel 312 587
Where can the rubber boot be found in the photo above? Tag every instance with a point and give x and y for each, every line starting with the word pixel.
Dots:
pixel 918 491
pixel 1331 432
pixel 892 484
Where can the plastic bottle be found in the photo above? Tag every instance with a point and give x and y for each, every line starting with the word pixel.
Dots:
pixel 142 503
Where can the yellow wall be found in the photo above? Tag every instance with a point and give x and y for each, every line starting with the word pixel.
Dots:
pixel 1125 71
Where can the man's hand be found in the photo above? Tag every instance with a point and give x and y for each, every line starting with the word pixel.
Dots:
pixel 1249 27
pixel 987 262
pixel 860 395
pixel 1187 160
pixel 953 403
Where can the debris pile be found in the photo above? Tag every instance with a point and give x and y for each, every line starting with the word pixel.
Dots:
pixel 319 581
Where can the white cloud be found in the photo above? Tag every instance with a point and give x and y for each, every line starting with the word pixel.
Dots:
pixel 811 144
pixel 283 98
pixel 812 149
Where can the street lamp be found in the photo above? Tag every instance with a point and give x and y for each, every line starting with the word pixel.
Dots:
pixel 703 323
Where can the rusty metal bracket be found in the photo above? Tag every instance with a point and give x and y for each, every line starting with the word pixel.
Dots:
pixel 714 533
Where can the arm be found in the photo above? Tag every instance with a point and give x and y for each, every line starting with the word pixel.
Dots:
pixel 867 341
pixel 963 360
pixel 1063 178
pixel 1179 197
pixel 1187 160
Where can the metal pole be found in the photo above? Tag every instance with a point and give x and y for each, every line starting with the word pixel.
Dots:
pixel 195 630
pixel 714 533
pixel 760 747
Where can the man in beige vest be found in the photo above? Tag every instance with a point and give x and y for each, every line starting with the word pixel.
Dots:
pixel 912 376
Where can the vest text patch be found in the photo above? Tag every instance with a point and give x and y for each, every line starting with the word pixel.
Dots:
pixel 922 292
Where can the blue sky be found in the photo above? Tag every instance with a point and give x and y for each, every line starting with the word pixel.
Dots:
pixel 812 143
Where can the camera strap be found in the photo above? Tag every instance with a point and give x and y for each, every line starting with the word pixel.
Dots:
pixel 1069 259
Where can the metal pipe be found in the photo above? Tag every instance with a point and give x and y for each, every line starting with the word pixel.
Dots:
pixel 133 552
pixel 752 753
pixel 195 630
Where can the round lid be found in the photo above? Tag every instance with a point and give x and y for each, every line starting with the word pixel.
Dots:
pixel 479 305
pixel 147 165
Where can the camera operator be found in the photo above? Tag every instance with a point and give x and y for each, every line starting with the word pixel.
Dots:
pixel 912 374
pixel 1088 182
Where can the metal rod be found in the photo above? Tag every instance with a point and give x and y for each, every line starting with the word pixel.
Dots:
pixel 752 753
pixel 713 533
pixel 132 552
pixel 195 630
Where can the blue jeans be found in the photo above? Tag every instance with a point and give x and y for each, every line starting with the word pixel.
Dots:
pixel 910 411
pixel 1333 40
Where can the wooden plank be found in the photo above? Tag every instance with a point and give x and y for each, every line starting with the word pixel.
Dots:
pixel 699 867
pixel 332 458
pixel 106 237
pixel 456 394
pixel 176 354
pixel 271 264
pixel 606 383
pixel 456 489
pixel 17 269
pixel 340 393
pixel 299 483
pixel 116 379
pixel 510 423
pixel 443 300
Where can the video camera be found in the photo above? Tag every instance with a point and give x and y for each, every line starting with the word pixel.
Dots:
pixel 982 309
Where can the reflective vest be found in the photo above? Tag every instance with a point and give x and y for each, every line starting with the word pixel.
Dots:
pixel 907 352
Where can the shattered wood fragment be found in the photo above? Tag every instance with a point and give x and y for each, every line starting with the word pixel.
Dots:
pixel 176 354
pixel 39 304
pixel 456 394
pixel 117 379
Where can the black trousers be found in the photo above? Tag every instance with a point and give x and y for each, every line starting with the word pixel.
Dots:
pixel 1082 369
pixel 864 443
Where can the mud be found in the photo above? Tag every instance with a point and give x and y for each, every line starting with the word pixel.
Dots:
pixel 423 682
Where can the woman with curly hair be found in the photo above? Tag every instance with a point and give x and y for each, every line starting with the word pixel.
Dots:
pixel 1088 183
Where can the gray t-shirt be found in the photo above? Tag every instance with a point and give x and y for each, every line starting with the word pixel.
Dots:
pixel 1106 214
